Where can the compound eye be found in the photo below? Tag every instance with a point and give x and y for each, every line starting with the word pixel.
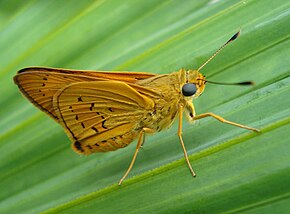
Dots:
pixel 188 89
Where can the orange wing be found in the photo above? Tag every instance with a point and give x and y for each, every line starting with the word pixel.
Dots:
pixel 101 116
pixel 39 84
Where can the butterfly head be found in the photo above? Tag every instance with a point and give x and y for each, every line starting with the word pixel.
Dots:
pixel 194 85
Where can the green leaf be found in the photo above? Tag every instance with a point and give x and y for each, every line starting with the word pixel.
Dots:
pixel 237 170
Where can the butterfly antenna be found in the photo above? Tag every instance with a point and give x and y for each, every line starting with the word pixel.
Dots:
pixel 224 45
pixel 237 83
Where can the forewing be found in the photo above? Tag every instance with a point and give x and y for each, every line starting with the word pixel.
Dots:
pixel 40 84
pixel 96 115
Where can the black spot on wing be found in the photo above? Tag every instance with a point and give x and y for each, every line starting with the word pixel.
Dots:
pixel 92 106
pixel 103 124
pixel 95 129
pixel 78 146
pixel 71 109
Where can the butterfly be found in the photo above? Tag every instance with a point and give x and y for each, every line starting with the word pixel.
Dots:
pixel 104 111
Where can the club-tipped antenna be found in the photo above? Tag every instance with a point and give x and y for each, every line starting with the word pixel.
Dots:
pixel 237 83
pixel 224 45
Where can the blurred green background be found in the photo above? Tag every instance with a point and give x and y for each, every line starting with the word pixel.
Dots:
pixel 237 170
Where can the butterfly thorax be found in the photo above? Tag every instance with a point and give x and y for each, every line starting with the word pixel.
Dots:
pixel 166 98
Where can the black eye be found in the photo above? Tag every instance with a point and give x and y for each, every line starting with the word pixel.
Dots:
pixel 188 89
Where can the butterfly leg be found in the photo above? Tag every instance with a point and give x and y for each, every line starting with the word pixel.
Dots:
pixel 219 118
pixel 143 141
pixel 139 144
pixel 179 133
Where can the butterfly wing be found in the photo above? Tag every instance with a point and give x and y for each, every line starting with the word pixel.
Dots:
pixel 101 116
pixel 40 84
